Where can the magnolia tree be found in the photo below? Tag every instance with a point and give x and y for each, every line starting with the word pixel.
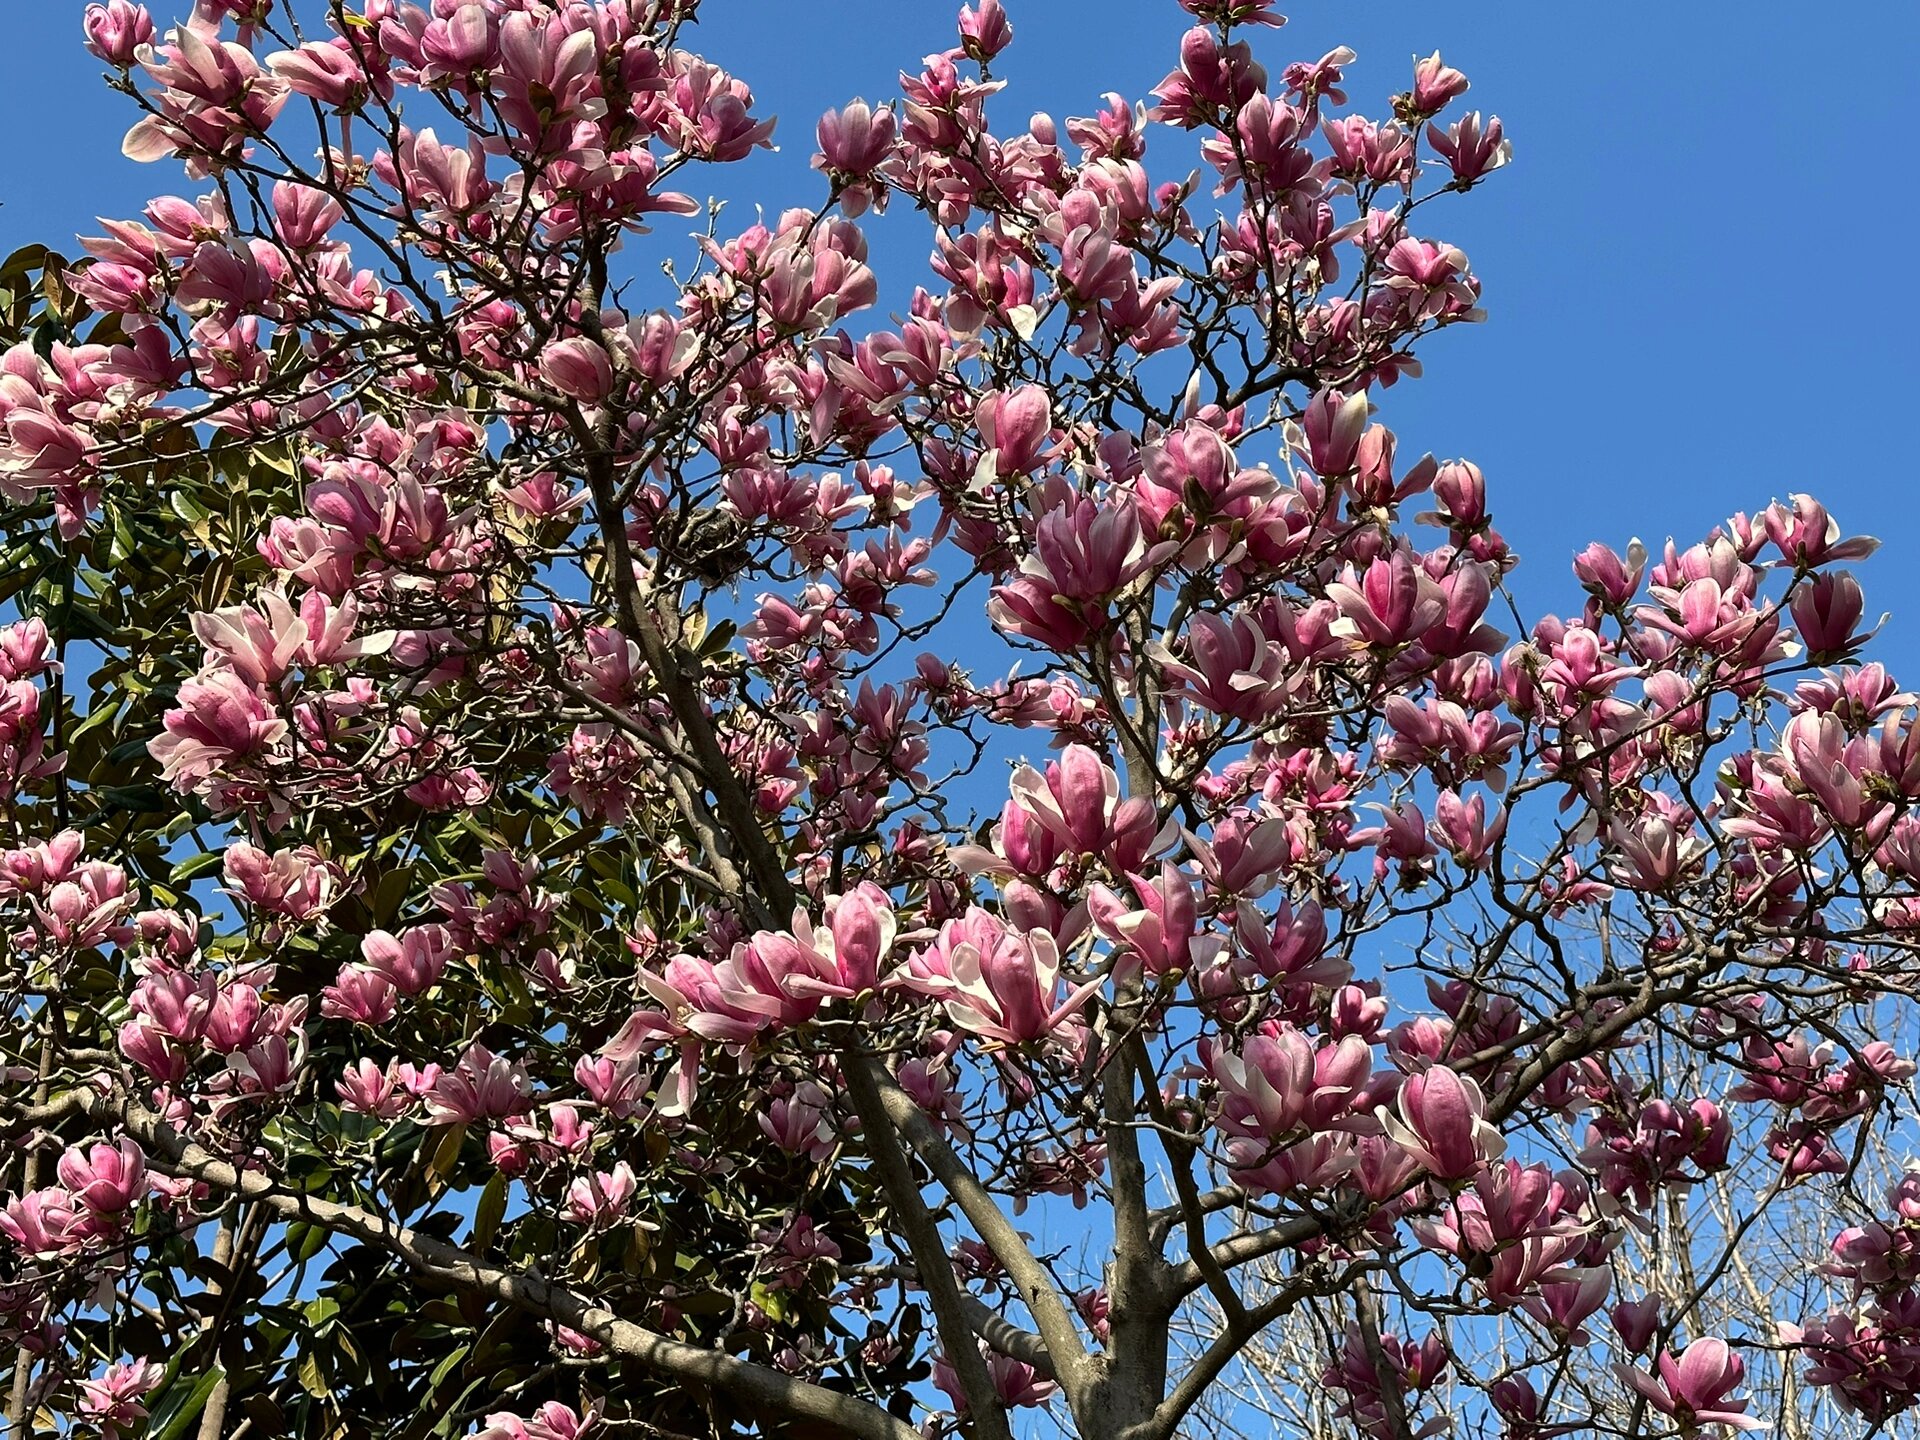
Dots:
pixel 532 913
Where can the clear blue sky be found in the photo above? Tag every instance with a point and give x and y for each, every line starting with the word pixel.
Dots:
pixel 1692 268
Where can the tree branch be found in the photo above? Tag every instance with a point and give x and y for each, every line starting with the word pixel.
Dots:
pixel 1058 1332
pixel 910 1212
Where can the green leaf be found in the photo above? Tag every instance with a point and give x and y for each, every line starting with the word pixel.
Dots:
pixel 775 1302
pixel 193 867
pixel 83 622
pixel 305 1241
pixel 22 263
pixel 104 715
pixel 447 1366
pixel 502 1325
pixel 313 1376
pixel 182 505
pixel 489 1212
pixel 390 894
pixel 170 1425
pixel 138 799
pixel 446 1155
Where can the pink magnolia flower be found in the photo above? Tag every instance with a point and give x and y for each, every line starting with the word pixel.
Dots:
pixel 1237 670
pixel 26 650
pixel 359 993
pixel 482 1086
pixel 465 39
pixel 1440 1119
pixel 327 71
pixel 1606 574
pixel 269 1066
pixel 32 869
pixel 1434 84
pixel 1431 279
pixel 723 1003
pixel 602 1198
pixel 1005 984
pixel 858 937
pixel 86 909
pixel 1807 535
pixel 368 1089
pixel 1566 1299
pixel 552 1421
pixel 413 960
pixel 800 1123
pixel 1655 851
pixel 1084 552
pixel 106 1179
pixel 1693 1389
pixel 1462 827
pixel 1160 934
pixel 709 112
pixel 1293 947
pixel 1212 79
pixel 1077 801
pixel 221 719
pixel 303 215
pixel 236 1016
pixel 112 1400
pixel 214 96
pixel 1363 1382
pixel 45 1223
pixel 1282 1081
pixel 1864 1361
pixel 298 883
pixel 1235 12
pixel 1516 1229
pixel 153 1050
pixel 984 30
pixel 1636 1321
pixel 263 641
pixel 578 368
pixel 1015 1382
pixel 548 75
pixel 1241 858
pixel 794 1249
pixel 618 1086
pixel 1016 426
pixel 1472 147
pixel 1392 603
pixel 855 142
pixel 1329 432
pixel 177 1003
pixel 1827 611
pixel 116 30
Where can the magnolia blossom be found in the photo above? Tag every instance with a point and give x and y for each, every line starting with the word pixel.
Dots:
pixel 1440 1120
pixel 482 1086
pixel 222 719
pixel 1693 1387
pixel 552 1421
pixel 112 1399
pixel 1004 985
pixel 105 1179
pixel 1015 1383
pixel 601 1199
pixel 45 1223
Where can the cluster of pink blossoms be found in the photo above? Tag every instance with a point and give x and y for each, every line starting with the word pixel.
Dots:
pixel 580 702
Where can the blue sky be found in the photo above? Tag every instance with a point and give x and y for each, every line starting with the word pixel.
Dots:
pixel 1690 267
